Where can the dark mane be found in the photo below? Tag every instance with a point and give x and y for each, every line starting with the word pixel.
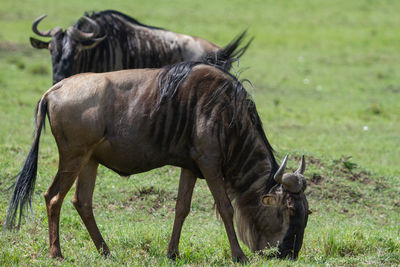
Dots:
pixel 172 76
pixel 122 36
pixel 112 14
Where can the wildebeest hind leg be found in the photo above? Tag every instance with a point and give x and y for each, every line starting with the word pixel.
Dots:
pixel 82 201
pixel 182 209
pixel 215 182
pixel 68 170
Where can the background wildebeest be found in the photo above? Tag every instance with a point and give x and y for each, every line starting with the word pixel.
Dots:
pixel 110 40
pixel 192 115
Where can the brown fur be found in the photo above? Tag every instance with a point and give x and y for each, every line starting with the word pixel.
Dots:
pixel 208 127
pixel 110 40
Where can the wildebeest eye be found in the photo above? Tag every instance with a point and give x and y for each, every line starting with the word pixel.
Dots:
pixel 269 200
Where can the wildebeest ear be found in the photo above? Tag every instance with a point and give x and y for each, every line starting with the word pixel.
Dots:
pixel 269 200
pixel 38 44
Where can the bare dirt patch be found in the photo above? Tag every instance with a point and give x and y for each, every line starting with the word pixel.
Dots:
pixel 315 179
pixel 310 160
pixel 342 180
pixel 150 196
pixel 361 177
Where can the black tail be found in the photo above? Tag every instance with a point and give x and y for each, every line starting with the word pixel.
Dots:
pixel 224 57
pixel 25 184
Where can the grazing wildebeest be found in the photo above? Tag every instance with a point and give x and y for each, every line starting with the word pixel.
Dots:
pixel 109 41
pixel 193 115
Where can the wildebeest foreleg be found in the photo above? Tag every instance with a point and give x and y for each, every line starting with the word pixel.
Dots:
pixel 82 201
pixel 182 209
pixel 215 182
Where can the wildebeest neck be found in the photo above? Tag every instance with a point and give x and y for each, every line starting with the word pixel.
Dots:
pixel 131 45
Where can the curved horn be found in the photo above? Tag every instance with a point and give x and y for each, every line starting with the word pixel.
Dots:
pixel 83 36
pixel 302 166
pixel 49 33
pixel 95 42
pixel 278 175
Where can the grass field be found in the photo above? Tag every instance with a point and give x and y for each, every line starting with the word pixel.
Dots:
pixel 326 79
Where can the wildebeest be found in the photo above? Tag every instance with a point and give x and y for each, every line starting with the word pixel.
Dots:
pixel 109 40
pixel 193 115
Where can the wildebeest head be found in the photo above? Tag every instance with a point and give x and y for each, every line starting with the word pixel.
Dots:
pixel 65 45
pixel 281 215
pixel 288 211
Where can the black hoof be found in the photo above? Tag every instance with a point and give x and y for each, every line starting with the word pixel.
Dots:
pixel 173 255
pixel 241 259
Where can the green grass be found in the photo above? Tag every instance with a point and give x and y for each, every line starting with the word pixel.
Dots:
pixel 327 84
